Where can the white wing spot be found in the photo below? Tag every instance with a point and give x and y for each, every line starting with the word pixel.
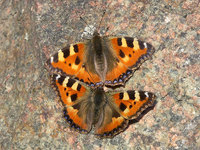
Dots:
pixel 146 93
pixel 145 45
pixel 58 76
pixel 51 60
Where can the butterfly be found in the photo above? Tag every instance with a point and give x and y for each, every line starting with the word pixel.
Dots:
pixel 102 60
pixel 106 113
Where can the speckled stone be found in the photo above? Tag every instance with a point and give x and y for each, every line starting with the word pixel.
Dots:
pixel 31 115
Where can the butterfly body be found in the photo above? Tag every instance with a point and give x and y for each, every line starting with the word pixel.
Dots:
pixel 101 60
pixel 107 112
pixel 97 54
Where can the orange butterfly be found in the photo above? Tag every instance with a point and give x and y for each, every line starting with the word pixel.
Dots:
pixel 108 61
pixel 108 112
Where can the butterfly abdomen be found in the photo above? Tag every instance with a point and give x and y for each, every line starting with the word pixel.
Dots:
pixel 99 101
pixel 100 62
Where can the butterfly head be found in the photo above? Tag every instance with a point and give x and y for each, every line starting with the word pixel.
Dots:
pixel 96 34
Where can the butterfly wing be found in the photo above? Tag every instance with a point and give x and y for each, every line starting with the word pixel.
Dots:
pixel 74 97
pixel 122 107
pixel 110 122
pixel 130 53
pixel 131 104
pixel 70 61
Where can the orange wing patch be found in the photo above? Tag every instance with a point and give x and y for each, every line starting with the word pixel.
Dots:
pixel 70 61
pixel 73 119
pixel 130 51
pixel 128 105
pixel 111 124
pixel 109 130
pixel 71 93
pixel 130 54
pixel 69 90
pixel 117 71
pixel 87 77
pixel 132 103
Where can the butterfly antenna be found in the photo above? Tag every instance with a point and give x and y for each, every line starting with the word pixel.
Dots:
pixel 101 20
pixel 104 12
pixel 84 21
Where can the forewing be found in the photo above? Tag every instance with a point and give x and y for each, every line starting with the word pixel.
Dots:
pixel 75 98
pixel 70 61
pixel 131 104
pixel 130 53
